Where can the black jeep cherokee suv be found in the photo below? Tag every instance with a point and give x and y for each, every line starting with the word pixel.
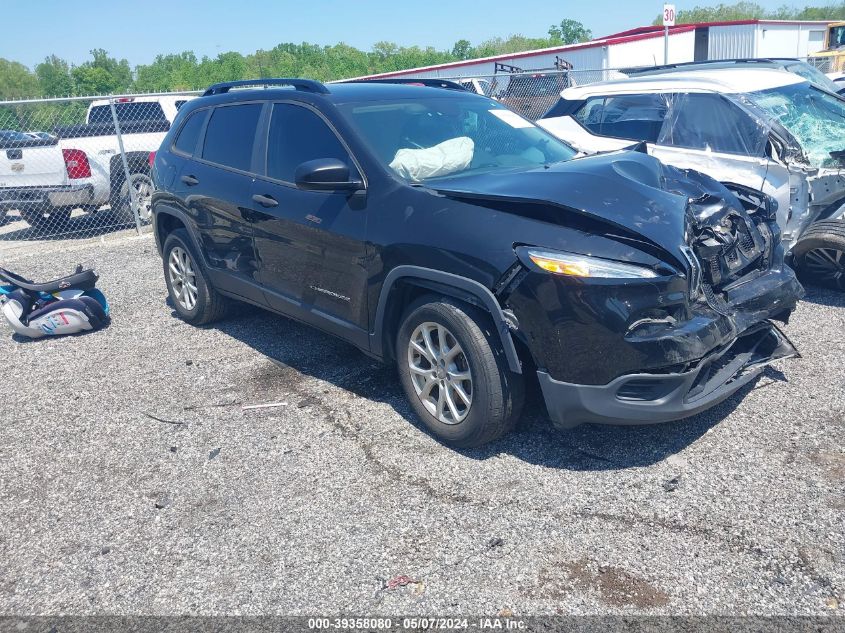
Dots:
pixel 437 229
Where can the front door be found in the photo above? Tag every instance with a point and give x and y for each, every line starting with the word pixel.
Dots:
pixel 708 133
pixel 310 245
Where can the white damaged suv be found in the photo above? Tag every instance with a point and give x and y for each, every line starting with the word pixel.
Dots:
pixel 763 129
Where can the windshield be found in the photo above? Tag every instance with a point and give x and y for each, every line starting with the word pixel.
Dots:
pixel 814 117
pixel 430 138
pixel 837 37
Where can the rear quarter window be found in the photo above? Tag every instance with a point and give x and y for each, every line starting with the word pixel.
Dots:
pixel 189 134
pixel 630 117
pixel 230 135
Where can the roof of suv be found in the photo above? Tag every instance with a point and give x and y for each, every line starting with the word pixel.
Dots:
pixel 723 80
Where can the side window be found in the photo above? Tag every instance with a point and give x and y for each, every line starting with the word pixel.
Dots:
pixel 297 135
pixel 188 136
pixel 589 115
pixel 633 117
pixel 712 123
pixel 230 135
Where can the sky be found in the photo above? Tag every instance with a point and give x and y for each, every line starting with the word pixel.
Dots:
pixel 138 30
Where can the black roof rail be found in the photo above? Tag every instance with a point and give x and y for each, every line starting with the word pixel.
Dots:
pixel 307 85
pixel 421 81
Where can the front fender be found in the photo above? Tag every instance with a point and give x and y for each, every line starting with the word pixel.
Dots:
pixel 444 282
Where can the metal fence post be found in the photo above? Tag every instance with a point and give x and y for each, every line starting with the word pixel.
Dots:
pixel 133 195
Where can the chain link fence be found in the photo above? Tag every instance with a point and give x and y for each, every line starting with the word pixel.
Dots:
pixel 79 167
pixel 531 93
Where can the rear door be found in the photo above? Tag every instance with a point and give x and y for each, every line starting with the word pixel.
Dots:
pixel 216 187
pixel 310 244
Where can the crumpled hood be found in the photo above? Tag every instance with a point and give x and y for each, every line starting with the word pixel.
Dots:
pixel 628 189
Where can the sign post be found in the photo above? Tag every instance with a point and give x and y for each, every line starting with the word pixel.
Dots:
pixel 668 20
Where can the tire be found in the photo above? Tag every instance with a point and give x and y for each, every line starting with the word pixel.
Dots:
pixel 122 203
pixel 496 394
pixel 819 256
pixel 207 305
pixel 53 220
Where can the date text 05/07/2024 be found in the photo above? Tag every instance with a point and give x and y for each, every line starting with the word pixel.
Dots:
pixel 418 623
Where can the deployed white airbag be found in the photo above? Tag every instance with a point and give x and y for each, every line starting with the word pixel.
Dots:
pixel 442 159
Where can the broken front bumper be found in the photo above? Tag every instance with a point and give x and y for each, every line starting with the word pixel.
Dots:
pixel 653 398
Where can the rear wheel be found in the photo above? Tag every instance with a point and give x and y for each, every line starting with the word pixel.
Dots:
pixel 193 297
pixel 455 374
pixel 122 203
pixel 819 255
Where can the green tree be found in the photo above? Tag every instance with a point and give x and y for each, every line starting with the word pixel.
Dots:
pixel 513 44
pixel 745 10
pixel 168 72
pixel 102 75
pixel 54 77
pixel 462 49
pixel 16 81
pixel 569 32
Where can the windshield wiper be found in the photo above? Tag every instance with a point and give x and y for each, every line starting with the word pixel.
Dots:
pixel 419 185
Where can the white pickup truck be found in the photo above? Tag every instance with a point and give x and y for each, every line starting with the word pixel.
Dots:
pixel 80 167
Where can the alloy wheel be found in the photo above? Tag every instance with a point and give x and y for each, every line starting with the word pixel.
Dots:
pixel 182 277
pixel 440 372
pixel 144 190
pixel 826 264
pixel 143 194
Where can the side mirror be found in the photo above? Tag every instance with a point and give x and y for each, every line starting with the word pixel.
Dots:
pixel 325 174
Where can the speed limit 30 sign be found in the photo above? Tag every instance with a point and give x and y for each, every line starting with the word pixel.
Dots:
pixel 668 15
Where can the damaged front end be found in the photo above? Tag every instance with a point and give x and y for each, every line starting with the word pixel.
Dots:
pixel 736 283
pixel 735 239
pixel 647 348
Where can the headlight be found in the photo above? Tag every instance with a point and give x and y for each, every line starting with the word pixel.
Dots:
pixel 574 265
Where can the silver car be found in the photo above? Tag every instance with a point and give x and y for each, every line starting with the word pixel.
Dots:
pixel 759 128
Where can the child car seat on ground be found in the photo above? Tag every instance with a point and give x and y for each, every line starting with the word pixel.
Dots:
pixel 68 305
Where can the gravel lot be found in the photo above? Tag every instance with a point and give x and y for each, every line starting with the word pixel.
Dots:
pixel 133 481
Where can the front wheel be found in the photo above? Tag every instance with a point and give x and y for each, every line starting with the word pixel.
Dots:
pixel 193 297
pixel 819 255
pixel 455 374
